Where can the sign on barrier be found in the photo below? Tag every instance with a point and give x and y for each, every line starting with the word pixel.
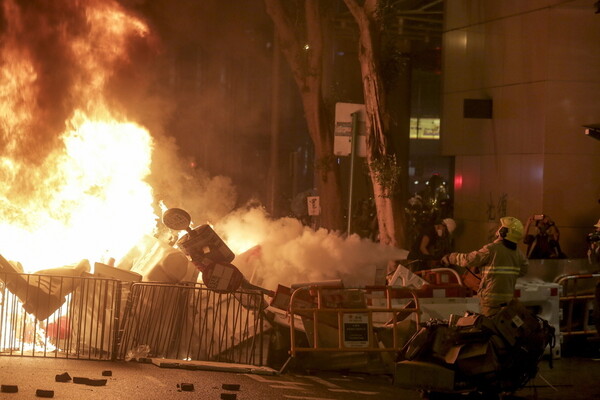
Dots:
pixel 356 330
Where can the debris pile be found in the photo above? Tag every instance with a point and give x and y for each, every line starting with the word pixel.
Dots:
pixel 475 353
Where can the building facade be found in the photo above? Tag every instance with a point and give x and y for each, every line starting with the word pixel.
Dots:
pixel 530 74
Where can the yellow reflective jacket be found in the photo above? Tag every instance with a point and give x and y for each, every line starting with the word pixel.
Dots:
pixel 499 268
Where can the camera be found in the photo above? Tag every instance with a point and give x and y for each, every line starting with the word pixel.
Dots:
pixel 593 237
pixel 592 131
pixel 538 217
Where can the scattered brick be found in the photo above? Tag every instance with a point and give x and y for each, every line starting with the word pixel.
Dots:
pixel 107 373
pixel 80 380
pixel 228 396
pixel 9 388
pixel 64 377
pixel 187 387
pixel 231 386
pixel 96 382
pixel 44 393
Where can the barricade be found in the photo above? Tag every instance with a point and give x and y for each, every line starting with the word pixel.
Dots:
pixel 58 316
pixel 441 292
pixel 577 303
pixel 191 322
pixel 339 320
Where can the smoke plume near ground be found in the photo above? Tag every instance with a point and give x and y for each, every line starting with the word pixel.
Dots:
pixel 291 253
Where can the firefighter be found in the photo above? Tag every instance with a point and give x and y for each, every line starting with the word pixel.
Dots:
pixel 498 265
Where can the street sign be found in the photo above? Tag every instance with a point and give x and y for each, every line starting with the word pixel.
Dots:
pixel 314 205
pixel 342 145
pixel 222 278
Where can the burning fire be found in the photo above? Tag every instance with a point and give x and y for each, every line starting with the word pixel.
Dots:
pixel 80 193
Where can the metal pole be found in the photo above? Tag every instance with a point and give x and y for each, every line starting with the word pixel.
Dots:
pixel 353 141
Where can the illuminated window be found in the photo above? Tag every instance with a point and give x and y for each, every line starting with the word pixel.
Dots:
pixel 424 128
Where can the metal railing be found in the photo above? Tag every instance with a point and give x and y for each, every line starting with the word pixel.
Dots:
pixel 576 302
pixel 336 328
pixel 191 322
pixel 58 316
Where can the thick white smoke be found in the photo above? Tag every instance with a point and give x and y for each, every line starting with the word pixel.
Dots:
pixel 291 253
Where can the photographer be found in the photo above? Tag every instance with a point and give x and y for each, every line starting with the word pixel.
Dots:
pixel 543 243
pixel 593 252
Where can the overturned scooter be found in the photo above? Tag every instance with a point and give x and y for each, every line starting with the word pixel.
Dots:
pixel 209 254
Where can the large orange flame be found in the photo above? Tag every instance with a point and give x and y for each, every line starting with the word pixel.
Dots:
pixel 87 198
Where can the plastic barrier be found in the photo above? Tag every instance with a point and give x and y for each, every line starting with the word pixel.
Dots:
pixel 441 292
pixel 338 320
pixel 577 303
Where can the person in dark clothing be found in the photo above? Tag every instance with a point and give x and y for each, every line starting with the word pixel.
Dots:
pixel 593 252
pixel 430 246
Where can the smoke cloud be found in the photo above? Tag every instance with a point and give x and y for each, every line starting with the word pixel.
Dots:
pixel 289 252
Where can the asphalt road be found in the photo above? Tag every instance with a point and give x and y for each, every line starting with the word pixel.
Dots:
pixel 571 379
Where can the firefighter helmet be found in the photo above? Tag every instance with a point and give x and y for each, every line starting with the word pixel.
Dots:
pixel 511 229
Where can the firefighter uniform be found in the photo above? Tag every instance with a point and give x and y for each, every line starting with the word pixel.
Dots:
pixel 498 264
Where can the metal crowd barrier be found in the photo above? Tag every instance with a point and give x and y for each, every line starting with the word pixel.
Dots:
pixel 577 303
pixel 191 322
pixel 58 316
pixel 333 328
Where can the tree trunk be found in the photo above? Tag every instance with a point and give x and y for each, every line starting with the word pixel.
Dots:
pixel 389 213
pixel 306 66
pixel 327 173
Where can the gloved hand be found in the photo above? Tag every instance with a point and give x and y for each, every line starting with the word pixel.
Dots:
pixel 445 261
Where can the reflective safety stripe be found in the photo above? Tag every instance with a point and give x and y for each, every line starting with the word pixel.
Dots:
pixel 502 270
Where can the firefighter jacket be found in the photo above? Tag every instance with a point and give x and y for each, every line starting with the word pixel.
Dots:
pixel 498 266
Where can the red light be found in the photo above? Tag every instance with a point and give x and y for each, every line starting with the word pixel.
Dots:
pixel 518 293
pixel 553 291
pixel 458 181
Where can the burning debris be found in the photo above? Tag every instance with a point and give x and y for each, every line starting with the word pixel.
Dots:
pixel 41 295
